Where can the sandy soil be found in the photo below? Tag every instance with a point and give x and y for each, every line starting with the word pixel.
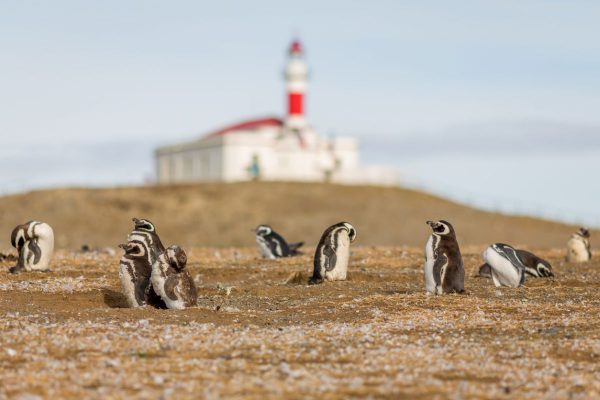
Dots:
pixel 65 334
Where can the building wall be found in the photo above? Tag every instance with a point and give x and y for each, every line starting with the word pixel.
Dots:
pixel 190 163
pixel 229 157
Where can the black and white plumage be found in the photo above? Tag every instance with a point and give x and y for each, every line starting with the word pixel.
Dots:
pixel 578 246
pixel 534 266
pixel 34 242
pixel 141 251
pixel 333 253
pixel 505 265
pixel 444 271
pixel 172 281
pixel 272 245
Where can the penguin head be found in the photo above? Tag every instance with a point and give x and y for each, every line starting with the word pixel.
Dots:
pixel 263 230
pixel 351 230
pixel 143 225
pixel 584 232
pixel 134 249
pixel 441 228
pixel 176 257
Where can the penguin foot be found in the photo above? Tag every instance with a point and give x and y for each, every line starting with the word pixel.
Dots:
pixel 16 269
pixel 315 280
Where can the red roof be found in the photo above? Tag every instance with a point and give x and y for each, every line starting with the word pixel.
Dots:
pixel 247 125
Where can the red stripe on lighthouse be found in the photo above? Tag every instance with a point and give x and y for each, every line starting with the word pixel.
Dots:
pixel 295 106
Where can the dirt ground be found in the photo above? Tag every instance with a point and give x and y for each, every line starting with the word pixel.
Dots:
pixel 66 334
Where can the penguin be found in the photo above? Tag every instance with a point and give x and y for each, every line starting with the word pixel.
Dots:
pixel 141 251
pixel 444 271
pixel 34 242
pixel 272 245
pixel 172 281
pixel 332 253
pixel 578 246
pixel 534 266
pixel 505 265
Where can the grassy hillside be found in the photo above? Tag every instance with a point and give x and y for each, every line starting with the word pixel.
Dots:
pixel 223 214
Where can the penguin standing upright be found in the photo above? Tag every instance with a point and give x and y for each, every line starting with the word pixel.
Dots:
pixel 578 246
pixel 333 253
pixel 272 245
pixel 505 266
pixel 444 271
pixel 34 242
pixel 534 266
pixel 172 281
pixel 141 251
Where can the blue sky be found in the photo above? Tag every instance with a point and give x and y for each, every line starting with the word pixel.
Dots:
pixel 90 88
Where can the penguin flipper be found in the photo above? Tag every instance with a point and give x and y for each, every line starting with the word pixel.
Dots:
pixel 331 259
pixel 440 262
pixel 327 263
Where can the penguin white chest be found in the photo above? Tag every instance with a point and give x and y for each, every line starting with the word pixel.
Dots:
pixel 340 271
pixel 159 279
pixel 264 248
pixel 127 279
pixel 429 262
pixel 577 250
pixel 503 272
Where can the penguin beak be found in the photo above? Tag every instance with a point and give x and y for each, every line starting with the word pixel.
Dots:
pixel 430 223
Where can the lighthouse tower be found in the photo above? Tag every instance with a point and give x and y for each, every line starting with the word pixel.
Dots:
pixel 296 76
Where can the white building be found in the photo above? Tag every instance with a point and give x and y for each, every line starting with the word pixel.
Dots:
pixel 271 148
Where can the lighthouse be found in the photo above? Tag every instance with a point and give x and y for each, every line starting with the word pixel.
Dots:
pixel 282 147
pixel 296 76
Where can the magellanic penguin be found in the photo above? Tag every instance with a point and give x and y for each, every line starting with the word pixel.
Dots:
pixel 444 271
pixel 578 246
pixel 534 266
pixel 505 265
pixel 34 242
pixel 333 253
pixel 272 245
pixel 141 251
pixel 172 281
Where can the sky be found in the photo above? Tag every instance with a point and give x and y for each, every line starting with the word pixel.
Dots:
pixel 494 103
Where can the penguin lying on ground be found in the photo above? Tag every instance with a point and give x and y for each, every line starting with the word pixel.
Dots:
pixel 506 266
pixel 172 281
pixel 578 246
pixel 534 265
pixel 34 242
pixel 444 271
pixel 141 251
pixel 272 245
pixel 333 253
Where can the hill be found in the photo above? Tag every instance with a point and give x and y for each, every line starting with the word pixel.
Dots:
pixel 222 215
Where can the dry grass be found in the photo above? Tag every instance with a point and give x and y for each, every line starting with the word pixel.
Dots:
pixel 378 335
pixel 220 215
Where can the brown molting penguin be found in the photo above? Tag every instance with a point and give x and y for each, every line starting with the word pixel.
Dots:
pixel 333 253
pixel 578 246
pixel 34 242
pixel 172 281
pixel 444 271
pixel 141 251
